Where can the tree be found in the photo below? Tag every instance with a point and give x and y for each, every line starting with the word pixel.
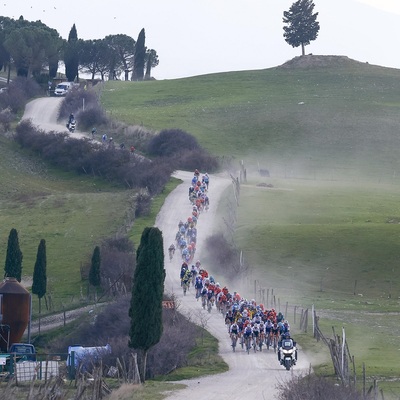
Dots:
pixel 151 60
pixel 147 294
pixel 13 266
pixel 123 49
pixel 39 284
pixel 32 46
pixel 94 273
pixel 71 55
pixel 302 25
pixel 139 57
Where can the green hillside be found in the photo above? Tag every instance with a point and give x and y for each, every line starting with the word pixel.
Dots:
pixel 321 114
pixel 72 213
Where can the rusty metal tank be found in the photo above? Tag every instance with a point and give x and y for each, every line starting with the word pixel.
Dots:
pixel 14 311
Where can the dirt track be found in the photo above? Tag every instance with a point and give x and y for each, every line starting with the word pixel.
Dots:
pixel 253 376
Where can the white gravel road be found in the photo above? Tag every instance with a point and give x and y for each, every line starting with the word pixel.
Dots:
pixel 43 112
pixel 253 376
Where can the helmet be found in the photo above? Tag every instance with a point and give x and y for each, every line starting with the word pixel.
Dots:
pixel 287 335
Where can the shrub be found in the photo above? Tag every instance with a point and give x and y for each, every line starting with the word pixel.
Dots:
pixel 6 117
pixel 170 142
pixel 93 115
pixel 132 135
pixel 200 159
pixel 182 150
pixel 117 265
pixel 312 387
pixel 84 156
pixel 143 203
pixel 18 93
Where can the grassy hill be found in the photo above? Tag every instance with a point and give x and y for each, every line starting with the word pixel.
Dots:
pixel 306 116
pixel 327 233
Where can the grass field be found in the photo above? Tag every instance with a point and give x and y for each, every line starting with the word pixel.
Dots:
pixel 73 214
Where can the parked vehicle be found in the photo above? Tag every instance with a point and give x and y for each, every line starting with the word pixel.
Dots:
pixel 18 352
pixel 63 88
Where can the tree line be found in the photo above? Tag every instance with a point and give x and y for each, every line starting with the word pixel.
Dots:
pixel 35 50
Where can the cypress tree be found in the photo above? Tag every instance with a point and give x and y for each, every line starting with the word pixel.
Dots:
pixel 147 294
pixel 13 265
pixel 139 57
pixel 94 273
pixel 71 55
pixel 39 285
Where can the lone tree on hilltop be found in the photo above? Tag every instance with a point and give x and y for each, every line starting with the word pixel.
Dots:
pixel 147 294
pixel 302 25
pixel 39 285
pixel 13 266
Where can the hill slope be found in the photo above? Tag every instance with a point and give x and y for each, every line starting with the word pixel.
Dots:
pixel 333 112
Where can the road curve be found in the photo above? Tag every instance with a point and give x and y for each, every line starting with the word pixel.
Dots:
pixel 43 112
pixel 251 375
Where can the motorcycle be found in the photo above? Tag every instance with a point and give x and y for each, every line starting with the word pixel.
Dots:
pixel 71 125
pixel 287 353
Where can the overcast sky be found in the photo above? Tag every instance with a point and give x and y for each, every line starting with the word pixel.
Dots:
pixel 195 37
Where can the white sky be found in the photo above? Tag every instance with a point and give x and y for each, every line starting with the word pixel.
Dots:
pixel 195 37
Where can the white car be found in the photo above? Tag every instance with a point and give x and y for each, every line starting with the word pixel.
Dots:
pixel 63 88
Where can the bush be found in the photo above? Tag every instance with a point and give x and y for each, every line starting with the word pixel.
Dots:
pixel 182 150
pixel 6 117
pixel 117 265
pixel 92 116
pixel 312 387
pixel 170 142
pixel 132 135
pixel 19 91
pixel 84 156
pixel 143 203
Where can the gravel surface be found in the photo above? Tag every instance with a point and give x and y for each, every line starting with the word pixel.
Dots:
pixel 254 374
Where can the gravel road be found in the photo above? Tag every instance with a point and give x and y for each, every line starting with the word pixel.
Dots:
pixel 253 375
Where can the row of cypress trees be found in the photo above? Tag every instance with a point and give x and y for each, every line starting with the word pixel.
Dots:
pixel 13 265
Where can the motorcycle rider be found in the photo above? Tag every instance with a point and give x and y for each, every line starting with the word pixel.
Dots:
pixel 286 337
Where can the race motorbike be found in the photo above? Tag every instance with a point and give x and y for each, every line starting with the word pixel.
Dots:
pixel 287 353
pixel 71 125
